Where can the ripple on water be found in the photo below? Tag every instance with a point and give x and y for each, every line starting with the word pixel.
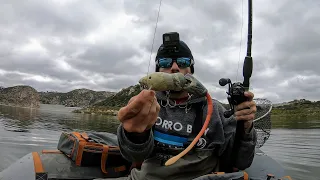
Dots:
pixel 23 131
pixel 298 150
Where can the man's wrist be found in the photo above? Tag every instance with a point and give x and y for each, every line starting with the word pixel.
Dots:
pixel 138 138
pixel 248 126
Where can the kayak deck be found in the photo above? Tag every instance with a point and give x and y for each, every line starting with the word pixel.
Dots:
pixel 58 166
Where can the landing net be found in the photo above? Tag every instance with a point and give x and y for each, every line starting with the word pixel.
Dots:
pixel 262 122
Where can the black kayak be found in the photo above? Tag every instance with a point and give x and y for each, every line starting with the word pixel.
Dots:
pixel 58 166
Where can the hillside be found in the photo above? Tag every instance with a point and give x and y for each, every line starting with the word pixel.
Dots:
pixel 103 102
pixel 74 98
pixel 22 96
pixel 113 103
pixel 300 107
pixel 121 98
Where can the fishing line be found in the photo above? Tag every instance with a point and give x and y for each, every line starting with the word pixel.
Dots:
pixel 154 35
pixel 240 40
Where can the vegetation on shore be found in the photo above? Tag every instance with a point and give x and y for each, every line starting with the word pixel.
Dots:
pixel 100 110
pixel 300 107
pixel 108 103
pixel 112 104
pixel 75 98
pixel 295 109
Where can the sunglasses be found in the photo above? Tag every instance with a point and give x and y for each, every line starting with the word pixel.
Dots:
pixel 182 62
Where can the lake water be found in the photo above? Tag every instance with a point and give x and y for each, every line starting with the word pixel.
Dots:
pixel 294 141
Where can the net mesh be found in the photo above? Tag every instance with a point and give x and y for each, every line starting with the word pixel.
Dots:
pixel 262 122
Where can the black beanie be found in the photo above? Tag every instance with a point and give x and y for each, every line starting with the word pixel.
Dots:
pixel 183 51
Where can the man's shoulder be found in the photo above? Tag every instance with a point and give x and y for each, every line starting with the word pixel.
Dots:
pixel 220 104
pixel 218 112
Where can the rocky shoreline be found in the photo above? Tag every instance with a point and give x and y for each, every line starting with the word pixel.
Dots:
pixel 75 98
pixel 109 103
pixel 27 96
pixel 298 108
pixel 97 111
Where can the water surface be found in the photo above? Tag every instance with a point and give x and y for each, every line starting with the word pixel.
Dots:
pixel 294 141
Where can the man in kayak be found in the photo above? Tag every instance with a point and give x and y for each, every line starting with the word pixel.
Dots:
pixel 156 126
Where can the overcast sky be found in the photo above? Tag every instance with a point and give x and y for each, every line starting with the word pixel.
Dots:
pixel 61 45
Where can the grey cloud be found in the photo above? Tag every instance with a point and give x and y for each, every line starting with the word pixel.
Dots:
pixel 111 58
pixel 28 64
pixel 68 24
pixel 296 47
pixel 14 79
pixel 118 83
pixel 40 17
pixel 285 39
pixel 288 45
pixel 213 21
pixel 300 51
pixel 10 79
pixel 34 64
pixel 298 88
pixel 146 11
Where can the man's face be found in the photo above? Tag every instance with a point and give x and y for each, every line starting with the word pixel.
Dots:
pixel 175 65
pixel 181 65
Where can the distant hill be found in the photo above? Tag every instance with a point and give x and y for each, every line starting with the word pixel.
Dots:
pixel 113 103
pixel 301 107
pixel 104 102
pixel 121 98
pixel 295 102
pixel 22 96
pixel 74 98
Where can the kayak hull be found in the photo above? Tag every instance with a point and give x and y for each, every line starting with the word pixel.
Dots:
pixel 263 165
pixel 58 166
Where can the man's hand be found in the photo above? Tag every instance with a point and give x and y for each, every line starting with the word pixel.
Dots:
pixel 141 112
pixel 248 114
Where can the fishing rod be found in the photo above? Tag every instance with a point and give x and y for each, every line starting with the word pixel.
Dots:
pixel 236 90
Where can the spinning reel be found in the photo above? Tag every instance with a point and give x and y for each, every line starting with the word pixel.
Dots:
pixel 236 90
pixel 235 95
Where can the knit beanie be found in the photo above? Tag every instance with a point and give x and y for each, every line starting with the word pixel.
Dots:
pixel 183 51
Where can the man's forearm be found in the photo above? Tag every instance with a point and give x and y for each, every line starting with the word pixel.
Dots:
pixel 137 138
pixel 248 125
pixel 135 147
pixel 246 148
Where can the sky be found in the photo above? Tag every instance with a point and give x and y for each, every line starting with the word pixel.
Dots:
pixel 61 45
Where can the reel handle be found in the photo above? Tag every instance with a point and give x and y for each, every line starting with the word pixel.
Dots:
pixel 224 81
pixel 228 113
